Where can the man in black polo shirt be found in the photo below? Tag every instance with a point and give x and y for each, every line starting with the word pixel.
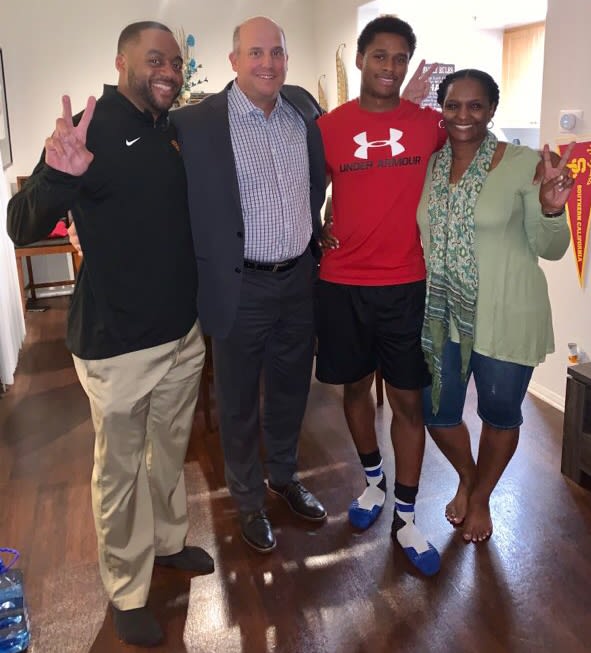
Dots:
pixel 132 329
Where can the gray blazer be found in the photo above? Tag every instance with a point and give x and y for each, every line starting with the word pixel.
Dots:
pixel 214 199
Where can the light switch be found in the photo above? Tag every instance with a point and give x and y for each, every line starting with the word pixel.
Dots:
pixel 568 119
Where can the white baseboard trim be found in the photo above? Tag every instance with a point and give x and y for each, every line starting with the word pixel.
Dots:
pixel 552 398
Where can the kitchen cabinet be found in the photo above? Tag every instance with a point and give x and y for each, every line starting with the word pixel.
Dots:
pixel 523 70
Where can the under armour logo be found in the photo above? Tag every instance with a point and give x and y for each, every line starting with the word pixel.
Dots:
pixel 364 145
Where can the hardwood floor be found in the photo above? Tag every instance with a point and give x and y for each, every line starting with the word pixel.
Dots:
pixel 326 589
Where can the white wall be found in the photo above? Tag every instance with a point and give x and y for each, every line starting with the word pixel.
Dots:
pixel 566 85
pixel 335 22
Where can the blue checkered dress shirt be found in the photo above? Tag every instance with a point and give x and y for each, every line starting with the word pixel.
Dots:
pixel 273 177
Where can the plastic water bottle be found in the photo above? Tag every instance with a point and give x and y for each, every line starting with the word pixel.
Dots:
pixel 14 619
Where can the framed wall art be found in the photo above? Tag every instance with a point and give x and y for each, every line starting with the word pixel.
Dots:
pixel 5 145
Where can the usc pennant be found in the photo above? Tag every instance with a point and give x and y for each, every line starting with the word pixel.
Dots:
pixel 578 207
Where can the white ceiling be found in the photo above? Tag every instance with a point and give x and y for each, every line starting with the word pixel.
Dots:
pixel 489 14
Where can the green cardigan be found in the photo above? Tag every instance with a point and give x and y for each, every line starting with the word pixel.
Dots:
pixel 513 316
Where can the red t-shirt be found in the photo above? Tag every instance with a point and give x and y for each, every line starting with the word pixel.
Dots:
pixel 377 162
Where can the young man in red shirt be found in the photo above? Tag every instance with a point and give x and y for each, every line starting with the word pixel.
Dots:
pixel 371 293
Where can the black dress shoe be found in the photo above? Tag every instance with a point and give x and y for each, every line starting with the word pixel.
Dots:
pixel 190 558
pixel 137 627
pixel 256 530
pixel 300 500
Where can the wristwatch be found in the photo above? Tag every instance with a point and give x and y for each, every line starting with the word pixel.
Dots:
pixel 553 214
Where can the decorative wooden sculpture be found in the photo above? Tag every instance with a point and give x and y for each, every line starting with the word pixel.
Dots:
pixel 342 86
pixel 322 101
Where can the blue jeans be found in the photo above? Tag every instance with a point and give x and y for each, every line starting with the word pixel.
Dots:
pixel 500 386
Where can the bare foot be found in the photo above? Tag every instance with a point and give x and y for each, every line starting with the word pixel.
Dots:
pixel 477 524
pixel 456 509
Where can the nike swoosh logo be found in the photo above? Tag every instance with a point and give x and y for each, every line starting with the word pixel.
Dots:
pixel 129 143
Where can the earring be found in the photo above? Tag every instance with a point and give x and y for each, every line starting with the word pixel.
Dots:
pixel 441 123
pixel 491 124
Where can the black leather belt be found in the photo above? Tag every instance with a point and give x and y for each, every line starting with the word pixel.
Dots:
pixel 271 267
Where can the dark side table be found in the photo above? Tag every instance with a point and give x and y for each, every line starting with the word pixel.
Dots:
pixel 576 444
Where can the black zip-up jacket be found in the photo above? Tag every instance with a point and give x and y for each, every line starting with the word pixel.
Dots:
pixel 137 285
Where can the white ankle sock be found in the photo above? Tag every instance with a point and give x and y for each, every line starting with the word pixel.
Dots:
pixel 372 495
pixel 407 534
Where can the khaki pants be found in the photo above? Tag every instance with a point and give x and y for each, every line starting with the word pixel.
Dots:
pixel 142 407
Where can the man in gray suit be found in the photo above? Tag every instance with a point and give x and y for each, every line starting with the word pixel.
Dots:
pixel 255 169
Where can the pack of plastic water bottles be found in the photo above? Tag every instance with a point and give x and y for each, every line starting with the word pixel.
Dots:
pixel 14 619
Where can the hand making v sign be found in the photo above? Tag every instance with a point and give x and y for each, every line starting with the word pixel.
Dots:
pixel 557 182
pixel 65 149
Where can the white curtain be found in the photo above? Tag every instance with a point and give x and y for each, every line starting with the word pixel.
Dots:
pixel 12 321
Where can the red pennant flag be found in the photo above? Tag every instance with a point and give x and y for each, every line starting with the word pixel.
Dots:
pixel 578 207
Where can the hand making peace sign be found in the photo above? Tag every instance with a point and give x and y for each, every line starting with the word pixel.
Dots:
pixel 65 149
pixel 419 84
pixel 557 182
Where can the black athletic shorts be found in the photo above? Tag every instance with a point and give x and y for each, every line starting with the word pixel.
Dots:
pixel 361 328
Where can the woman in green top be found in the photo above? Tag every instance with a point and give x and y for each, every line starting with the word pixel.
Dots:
pixel 483 224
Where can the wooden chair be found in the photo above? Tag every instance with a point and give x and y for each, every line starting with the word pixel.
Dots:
pixel 41 248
